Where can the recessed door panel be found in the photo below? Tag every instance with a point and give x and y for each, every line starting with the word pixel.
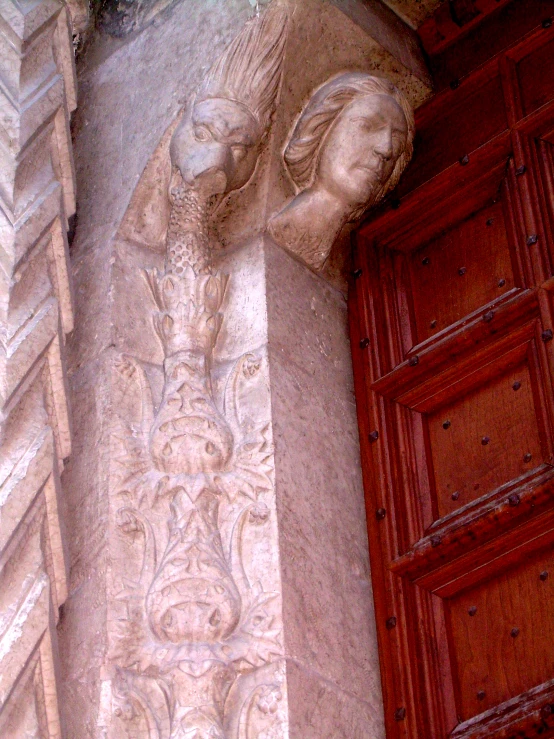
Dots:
pixel 462 270
pixel 502 635
pixel 454 131
pixel 484 439
pixel 536 77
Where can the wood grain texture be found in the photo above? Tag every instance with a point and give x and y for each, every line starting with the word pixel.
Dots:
pixel 455 51
pixel 456 408
pixel 513 615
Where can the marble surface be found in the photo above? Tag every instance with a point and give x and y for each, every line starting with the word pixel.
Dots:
pixel 280 353
pixel 327 601
pixel 36 312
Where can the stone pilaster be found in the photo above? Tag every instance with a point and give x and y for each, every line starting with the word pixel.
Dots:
pixel 332 660
pixel 37 195
pixel 220 579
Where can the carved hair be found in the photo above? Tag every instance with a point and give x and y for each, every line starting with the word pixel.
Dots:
pixel 249 71
pixel 302 152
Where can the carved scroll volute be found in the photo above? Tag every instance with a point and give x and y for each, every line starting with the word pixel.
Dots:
pixel 194 470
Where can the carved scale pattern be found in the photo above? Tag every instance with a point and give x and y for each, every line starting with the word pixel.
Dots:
pixel 187 235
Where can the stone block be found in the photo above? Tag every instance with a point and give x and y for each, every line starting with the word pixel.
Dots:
pixel 319 707
pixel 36 312
pixel 327 603
pixel 219 558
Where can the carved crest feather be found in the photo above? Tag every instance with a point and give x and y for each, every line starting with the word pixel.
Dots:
pixel 250 69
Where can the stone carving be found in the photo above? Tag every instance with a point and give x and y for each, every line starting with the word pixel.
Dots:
pixel 216 145
pixel 348 149
pixel 215 142
pixel 197 647
pixel 37 83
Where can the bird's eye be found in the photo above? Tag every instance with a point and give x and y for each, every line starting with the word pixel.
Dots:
pixel 201 133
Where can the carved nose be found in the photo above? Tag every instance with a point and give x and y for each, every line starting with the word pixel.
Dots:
pixel 384 153
pixel 383 148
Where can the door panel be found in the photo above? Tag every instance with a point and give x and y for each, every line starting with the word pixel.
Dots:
pixel 436 146
pixel 535 72
pixel 484 439
pixel 470 262
pixel 452 324
pixel 501 636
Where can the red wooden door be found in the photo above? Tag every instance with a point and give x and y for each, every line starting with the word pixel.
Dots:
pixel 452 320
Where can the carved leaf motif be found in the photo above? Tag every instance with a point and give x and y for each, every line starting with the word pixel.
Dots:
pixel 188 618
pixel 188 306
pixel 256 714
pixel 260 624
pixel 144 704
pixel 133 398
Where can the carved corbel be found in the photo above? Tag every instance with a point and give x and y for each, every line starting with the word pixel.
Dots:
pixel 347 151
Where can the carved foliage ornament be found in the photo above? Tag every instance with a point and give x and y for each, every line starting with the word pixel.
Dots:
pixel 197 648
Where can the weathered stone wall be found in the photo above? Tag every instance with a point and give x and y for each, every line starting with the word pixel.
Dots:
pixel 333 667
pixel 283 338
pixel 37 195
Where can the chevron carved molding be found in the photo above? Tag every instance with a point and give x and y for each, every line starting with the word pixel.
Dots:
pixel 37 195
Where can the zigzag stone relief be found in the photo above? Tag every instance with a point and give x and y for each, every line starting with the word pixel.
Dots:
pixel 37 195
pixel 197 635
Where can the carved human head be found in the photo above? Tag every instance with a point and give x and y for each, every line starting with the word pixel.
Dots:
pixel 217 143
pixel 354 139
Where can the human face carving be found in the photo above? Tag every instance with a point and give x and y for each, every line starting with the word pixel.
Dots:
pixel 216 146
pixel 361 150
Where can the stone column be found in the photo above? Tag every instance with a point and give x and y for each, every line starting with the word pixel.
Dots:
pixel 37 195
pixel 220 578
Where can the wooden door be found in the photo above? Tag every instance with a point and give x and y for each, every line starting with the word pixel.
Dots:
pixel 452 320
